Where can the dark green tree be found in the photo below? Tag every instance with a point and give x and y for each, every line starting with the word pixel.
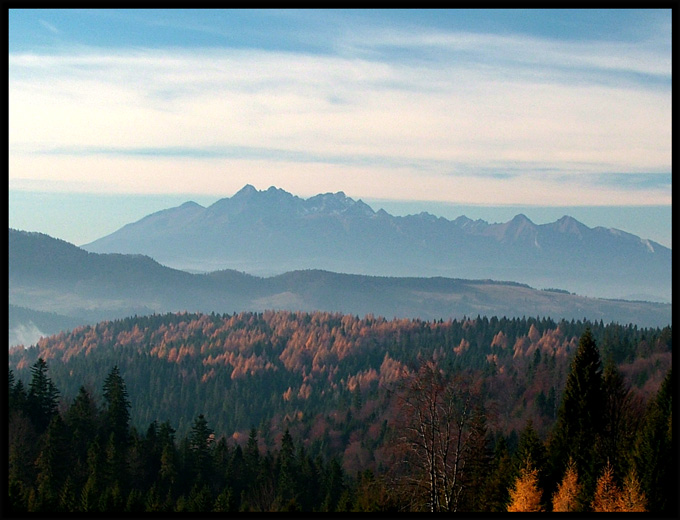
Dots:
pixel 201 442
pixel 333 486
pixel 117 408
pixel 501 473
pixel 620 421
pixel 91 491
pixel 579 421
pixel 656 456
pixel 43 397
pixel 287 471
pixel 52 465
pixel 82 423
pixel 476 470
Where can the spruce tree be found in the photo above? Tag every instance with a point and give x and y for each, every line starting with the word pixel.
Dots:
pixel 656 453
pixel 579 421
pixel 117 410
pixel 201 443
pixel 43 397
pixel 116 438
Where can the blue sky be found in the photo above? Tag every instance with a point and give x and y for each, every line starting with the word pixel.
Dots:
pixel 114 114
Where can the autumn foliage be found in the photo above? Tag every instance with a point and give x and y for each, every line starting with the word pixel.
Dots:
pixel 566 498
pixel 439 413
pixel 525 495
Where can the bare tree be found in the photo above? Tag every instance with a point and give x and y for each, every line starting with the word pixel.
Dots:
pixel 435 434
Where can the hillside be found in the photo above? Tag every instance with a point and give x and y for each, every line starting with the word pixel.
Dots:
pixel 270 232
pixel 50 275
pixel 303 369
pixel 292 411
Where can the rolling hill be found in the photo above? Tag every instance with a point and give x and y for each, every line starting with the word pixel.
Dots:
pixel 51 275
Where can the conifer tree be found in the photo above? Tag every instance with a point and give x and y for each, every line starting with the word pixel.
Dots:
pixel 52 465
pixel 495 497
pixel 43 396
pixel 619 419
pixel 201 444
pixel 656 453
pixel 566 498
pixel 68 501
pixel 117 410
pixel 530 447
pixel 525 495
pixel 251 455
pixel 632 498
pixel 82 422
pixel 607 493
pixel 476 471
pixel 579 421
pixel 287 470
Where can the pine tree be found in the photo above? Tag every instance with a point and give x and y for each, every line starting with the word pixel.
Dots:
pixel 287 471
pixel 607 493
pixel 566 498
pixel 91 491
pixel 43 396
pixel 251 455
pixel 82 423
pixel 52 465
pixel 68 501
pixel 201 442
pixel 525 495
pixel 117 409
pixel 495 496
pixel 167 474
pixel 619 419
pixel 579 421
pixel 656 453
pixel 476 472
pixel 224 502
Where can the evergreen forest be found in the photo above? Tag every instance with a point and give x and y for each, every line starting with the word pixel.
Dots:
pixel 323 412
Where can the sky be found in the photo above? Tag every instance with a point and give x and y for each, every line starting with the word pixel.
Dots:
pixel 115 114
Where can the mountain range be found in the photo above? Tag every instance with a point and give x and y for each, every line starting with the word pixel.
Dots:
pixel 271 232
pixel 54 285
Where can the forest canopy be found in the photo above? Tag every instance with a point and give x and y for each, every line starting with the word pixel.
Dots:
pixel 335 394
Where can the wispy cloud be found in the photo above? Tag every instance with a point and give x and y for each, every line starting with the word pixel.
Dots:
pixel 465 117
pixel 49 27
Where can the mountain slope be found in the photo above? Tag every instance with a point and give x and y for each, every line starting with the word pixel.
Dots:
pixel 92 287
pixel 271 232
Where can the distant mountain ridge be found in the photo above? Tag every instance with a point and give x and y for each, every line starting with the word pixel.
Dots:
pixel 270 232
pixel 48 275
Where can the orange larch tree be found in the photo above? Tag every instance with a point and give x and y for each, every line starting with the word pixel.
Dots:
pixel 607 493
pixel 565 499
pixel 632 499
pixel 525 495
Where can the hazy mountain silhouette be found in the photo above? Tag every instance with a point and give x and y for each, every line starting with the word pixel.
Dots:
pixel 272 231
pixel 51 275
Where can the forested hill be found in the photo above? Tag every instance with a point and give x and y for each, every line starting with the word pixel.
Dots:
pixel 307 370
pixel 321 411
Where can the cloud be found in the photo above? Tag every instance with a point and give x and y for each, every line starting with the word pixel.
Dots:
pixel 24 334
pixel 470 117
pixel 49 27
